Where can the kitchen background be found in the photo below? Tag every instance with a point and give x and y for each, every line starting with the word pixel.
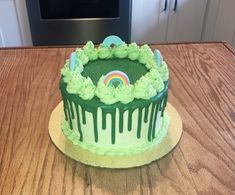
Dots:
pixel 149 21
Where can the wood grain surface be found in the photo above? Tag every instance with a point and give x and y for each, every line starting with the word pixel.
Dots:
pixel 202 89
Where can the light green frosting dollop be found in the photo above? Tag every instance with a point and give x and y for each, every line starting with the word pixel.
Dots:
pixel 143 89
pixel 133 51
pixel 87 91
pixel 82 56
pixel 145 53
pixel 155 80
pixel 75 84
pixel 104 52
pixel 90 50
pixel 124 93
pixel 79 69
pixel 163 71
pixel 105 93
pixel 120 51
pixel 150 63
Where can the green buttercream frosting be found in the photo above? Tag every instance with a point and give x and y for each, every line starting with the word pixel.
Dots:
pixel 90 50
pixel 145 54
pixel 82 56
pixel 79 68
pixel 104 52
pixel 75 84
pixel 133 51
pixel 163 71
pixel 150 63
pixel 143 89
pixel 124 93
pixel 105 93
pixel 155 80
pixel 87 91
pixel 120 51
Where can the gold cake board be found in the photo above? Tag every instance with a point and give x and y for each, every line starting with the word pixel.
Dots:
pixel 82 155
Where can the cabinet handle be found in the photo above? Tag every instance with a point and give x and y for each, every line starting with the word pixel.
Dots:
pixel 175 6
pixel 165 6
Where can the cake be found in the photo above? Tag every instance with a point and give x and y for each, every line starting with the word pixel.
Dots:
pixel 114 97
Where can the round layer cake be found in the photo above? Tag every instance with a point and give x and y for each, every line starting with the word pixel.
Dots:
pixel 114 97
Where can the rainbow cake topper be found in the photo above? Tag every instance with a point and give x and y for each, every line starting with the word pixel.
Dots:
pixel 158 57
pixel 73 61
pixel 113 39
pixel 116 76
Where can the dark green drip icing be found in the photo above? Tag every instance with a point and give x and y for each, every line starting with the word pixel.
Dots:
pixel 155 120
pixel 150 122
pixel 94 114
pixel 92 106
pixel 164 104
pixel 160 104
pixel 113 125
pixel 79 123
pixel 71 108
pixel 130 119
pixel 121 113
pixel 68 112
pixel 65 107
pixel 83 115
pixel 104 119
pixel 146 112
pixel 139 123
pixel 165 100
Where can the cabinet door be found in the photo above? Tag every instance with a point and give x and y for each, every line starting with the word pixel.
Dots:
pixel 149 21
pixel 9 27
pixel 186 21
pixel 225 23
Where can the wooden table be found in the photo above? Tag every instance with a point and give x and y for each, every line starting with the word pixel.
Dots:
pixel 202 89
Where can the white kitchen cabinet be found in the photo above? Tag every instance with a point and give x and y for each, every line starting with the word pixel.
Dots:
pixel 178 22
pixel 220 21
pixel 149 21
pixel 22 15
pixel 9 27
pixel 186 22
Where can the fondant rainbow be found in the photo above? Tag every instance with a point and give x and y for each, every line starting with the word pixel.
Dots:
pixel 108 41
pixel 116 76
pixel 73 61
pixel 158 57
